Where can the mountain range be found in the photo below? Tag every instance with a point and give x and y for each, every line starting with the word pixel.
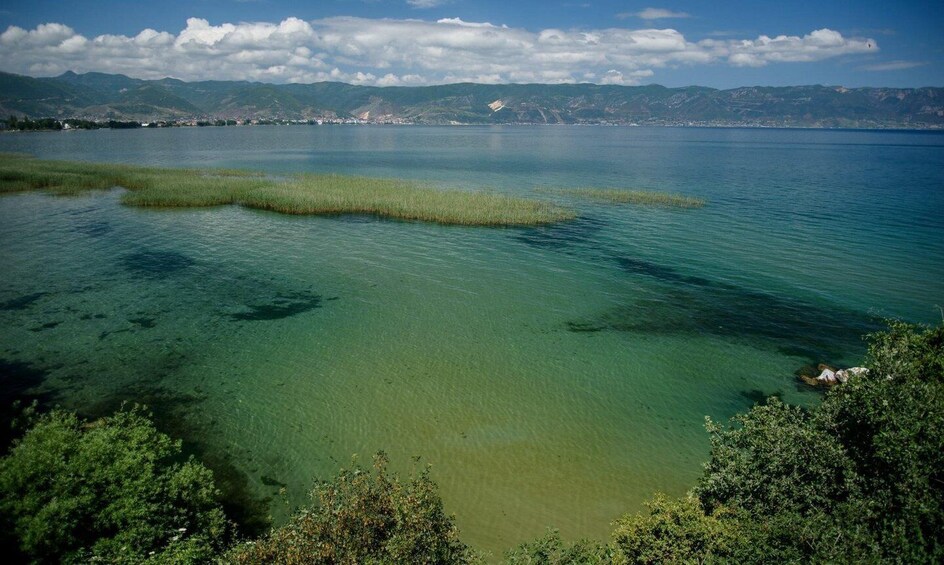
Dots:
pixel 99 96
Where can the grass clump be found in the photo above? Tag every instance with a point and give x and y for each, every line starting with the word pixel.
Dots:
pixel 402 200
pixel 640 197
pixel 309 194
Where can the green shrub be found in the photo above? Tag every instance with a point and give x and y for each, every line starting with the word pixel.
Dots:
pixel 676 531
pixel 109 490
pixel 891 423
pixel 858 478
pixel 551 550
pixel 364 517
pixel 773 459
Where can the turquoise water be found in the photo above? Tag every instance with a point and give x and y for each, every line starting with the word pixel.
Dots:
pixel 552 377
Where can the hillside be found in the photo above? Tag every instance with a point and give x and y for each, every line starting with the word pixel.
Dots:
pixel 99 96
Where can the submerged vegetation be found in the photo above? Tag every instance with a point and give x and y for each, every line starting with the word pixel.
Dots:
pixel 314 194
pixel 638 197
pixel 858 479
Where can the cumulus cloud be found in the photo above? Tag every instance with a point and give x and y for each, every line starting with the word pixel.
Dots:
pixel 390 52
pixel 815 46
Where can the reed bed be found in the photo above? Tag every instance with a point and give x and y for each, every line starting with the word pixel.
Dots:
pixel 403 200
pixel 640 197
pixel 298 194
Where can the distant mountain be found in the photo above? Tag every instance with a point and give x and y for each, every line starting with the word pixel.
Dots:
pixel 104 96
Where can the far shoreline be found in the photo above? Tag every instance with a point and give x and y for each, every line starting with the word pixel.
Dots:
pixel 103 126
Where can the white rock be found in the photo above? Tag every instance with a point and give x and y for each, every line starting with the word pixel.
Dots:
pixel 827 376
pixel 844 375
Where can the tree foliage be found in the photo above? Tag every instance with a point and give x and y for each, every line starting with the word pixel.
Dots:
pixel 773 460
pixel 891 423
pixel 552 550
pixel 676 531
pixel 108 490
pixel 860 478
pixel 364 517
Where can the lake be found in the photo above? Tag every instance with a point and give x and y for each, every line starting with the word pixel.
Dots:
pixel 553 376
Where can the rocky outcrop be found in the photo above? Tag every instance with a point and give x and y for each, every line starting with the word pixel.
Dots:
pixel 826 375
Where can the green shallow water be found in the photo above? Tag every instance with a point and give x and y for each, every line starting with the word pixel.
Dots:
pixel 552 377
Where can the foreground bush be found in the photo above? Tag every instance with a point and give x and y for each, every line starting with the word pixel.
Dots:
pixel 364 517
pixel 108 490
pixel 676 531
pixel 858 479
pixel 552 550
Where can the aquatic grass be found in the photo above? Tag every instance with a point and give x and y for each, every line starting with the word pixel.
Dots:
pixel 18 172
pixel 192 190
pixel 622 196
pixel 309 194
pixel 403 200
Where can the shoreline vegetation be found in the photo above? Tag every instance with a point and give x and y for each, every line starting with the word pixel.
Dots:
pixel 621 196
pixel 299 194
pixel 856 479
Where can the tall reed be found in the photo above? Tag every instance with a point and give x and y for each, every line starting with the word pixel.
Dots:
pixel 318 194
pixel 623 196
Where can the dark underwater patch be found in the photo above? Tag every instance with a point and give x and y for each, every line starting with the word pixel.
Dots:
pixel 88 316
pixel 584 327
pixel 22 302
pixel 17 381
pixel 16 378
pixel 282 306
pixel 143 322
pixel 660 272
pixel 94 229
pixel 46 326
pixel 696 305
pixel 563 234
pixel 755 396
pixel 78 212
pixel 156 264
pixel 106 333
pixel 270 482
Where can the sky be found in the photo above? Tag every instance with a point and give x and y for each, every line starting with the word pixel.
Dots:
pixel 726 44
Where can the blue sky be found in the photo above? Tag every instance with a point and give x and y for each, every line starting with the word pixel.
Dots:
pixel 403 42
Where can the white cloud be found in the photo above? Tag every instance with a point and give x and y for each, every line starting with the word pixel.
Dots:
pixel 399 52
pixel 613 76
pixel 426 3
pixel 815 46
pixel 894 65
pixel 653 14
